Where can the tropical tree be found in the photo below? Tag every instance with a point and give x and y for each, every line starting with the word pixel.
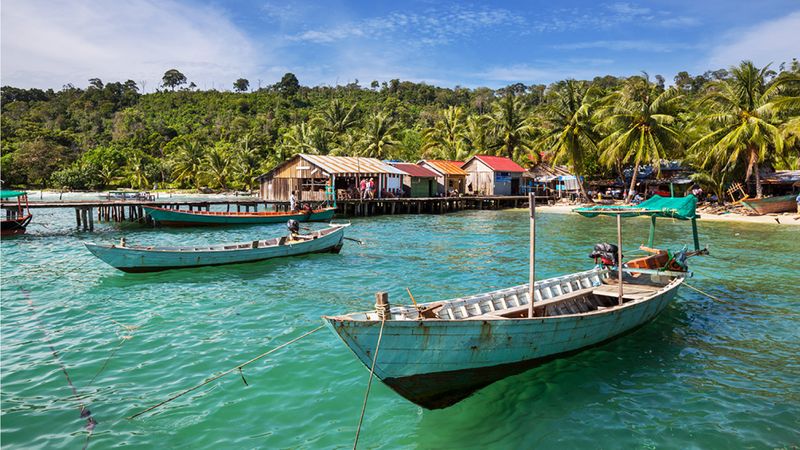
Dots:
pixel 241 85
pixel 137 171
pixel 742 119
pixel 246 162
pixel 379 136
pixel 173 78
pixel 338 118
pixel 218 165
pixel 189 163
pixel 478 134
pixel 446 139
pixel 567 119
pixel 307 137
pixel 641 122
pixel 512 127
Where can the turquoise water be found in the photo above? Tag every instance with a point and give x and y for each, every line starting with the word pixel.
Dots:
pixel 705 374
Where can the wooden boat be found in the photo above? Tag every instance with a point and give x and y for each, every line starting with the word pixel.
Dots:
pixel 436 354
pixel 769 205
pixel 178 218
pixel 154 259
pixel 17 219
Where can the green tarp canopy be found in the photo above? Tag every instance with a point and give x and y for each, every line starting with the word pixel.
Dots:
pixel 656 206
pixel 10 194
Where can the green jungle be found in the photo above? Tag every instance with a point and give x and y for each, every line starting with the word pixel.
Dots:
pixel 724 124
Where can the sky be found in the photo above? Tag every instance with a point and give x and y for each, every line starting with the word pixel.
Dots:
pixel 47 44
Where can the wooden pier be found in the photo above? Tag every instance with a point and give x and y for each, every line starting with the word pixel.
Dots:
pixel 86 212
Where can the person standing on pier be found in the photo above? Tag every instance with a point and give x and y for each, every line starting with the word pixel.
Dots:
pixel 292 201
pixel 363 188
pixel 371 188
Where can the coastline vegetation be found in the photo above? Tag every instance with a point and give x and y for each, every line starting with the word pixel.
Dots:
pixel 725 124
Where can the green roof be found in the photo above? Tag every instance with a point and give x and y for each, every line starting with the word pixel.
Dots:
pixel 674 207
pixel 10 194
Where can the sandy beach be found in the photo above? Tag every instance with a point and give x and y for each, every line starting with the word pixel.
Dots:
pixel 788 219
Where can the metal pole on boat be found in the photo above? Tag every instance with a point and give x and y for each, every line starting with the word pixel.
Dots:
pixel 532 204
pixel 619 255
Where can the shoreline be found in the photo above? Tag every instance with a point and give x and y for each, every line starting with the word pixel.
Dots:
pixel 788 219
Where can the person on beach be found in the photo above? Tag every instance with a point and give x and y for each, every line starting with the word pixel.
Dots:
pixel 798 203
pixel 292 201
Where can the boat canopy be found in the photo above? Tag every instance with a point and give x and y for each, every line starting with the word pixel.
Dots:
pixel 657 206
pixel 11 194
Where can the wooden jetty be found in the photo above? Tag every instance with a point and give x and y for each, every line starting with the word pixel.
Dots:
pixel 86 212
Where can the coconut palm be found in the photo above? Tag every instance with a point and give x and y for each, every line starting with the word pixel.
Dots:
pixel 379 136
pixel 478 134
pixel 446 139
pixel 188 163
pixel 567 119
pixel 217 165
pixel 137 171
pixel 743 118
pixel 641 125
pixel 339 118
pixel 247 162
pixel 308 137
pixel 512 127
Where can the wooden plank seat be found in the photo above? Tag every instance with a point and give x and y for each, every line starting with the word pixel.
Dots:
pixel 539 307
pixel 630 292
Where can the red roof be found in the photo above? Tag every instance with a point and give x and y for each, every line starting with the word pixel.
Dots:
pixel 415 170
pixel 500 163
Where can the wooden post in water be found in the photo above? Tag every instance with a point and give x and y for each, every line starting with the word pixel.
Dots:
pixel 532 204
pixel 619 255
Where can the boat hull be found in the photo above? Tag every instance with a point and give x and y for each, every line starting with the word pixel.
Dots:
pixel 436 363
pixel 771 205
pixel 134 260
pixel 176 218
pixel 11 227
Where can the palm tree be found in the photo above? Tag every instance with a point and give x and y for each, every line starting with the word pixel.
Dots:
pixel 742 117
pixel 217 165
pixel 247 162
pixel 107 173
pixel 640 120
pixel 512 127
pixel 478 134
pixel 446 138
pixel 308 137
pixel 339 118
pixel 188 163
pixel 569 128
pixel 137 171
pixel 379 136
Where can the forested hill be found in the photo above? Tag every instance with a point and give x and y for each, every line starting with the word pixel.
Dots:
pixel 725 123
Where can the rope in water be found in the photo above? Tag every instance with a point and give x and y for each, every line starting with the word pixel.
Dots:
pixel 239 368
pixel 369 384
pixel 84 411
pixel 704 293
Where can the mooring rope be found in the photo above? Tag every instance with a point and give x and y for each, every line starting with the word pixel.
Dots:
pixel 369 384
pixel 91 423
pixel 237 368
pixel 704 293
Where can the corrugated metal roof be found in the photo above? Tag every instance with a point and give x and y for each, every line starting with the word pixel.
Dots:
pixel 415 170
pixel 445 167
pixel 350 164
pixel 499 163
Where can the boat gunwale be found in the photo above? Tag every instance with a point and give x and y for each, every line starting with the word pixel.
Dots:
pixel 673 284
pixel 220 248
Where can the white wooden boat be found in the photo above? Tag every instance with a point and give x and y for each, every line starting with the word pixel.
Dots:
pixel 154 259
pixel 436 354
pixel 441 352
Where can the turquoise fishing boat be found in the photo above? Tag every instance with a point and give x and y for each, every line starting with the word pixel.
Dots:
pixel 178 218
pixel 17 217
pixel 154 259
pixel 436 354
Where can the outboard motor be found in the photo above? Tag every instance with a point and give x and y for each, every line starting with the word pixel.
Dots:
pixel 293 226
pixel 605 253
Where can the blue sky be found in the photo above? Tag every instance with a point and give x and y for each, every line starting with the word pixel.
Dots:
pixel 50 43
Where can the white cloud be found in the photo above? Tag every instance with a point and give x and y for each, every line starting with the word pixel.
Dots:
pixel 540 73
pixel 48 44
pixel 623 45
pixel 772 41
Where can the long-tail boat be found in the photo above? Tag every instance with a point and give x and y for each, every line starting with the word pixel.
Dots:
pixel 154 259
pixel 769 205
pixel 16 220
pixel 436 354
pixel 178 218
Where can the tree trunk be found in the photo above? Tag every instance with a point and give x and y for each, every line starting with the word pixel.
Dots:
pixel 629 194
pixel 759 191
pixel 584 195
